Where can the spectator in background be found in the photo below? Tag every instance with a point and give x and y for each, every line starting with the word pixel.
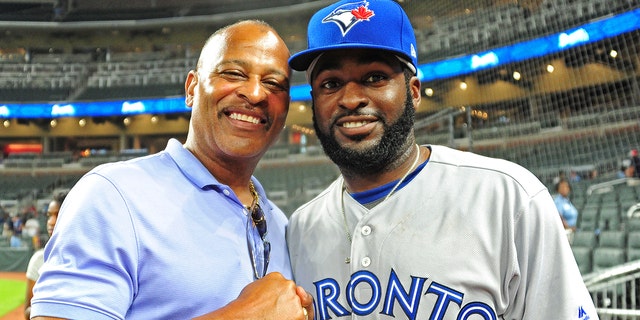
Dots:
pixel 574 176
pixel 568 212
pixel 621 172
pixel 31 229
pixel 188 232
pixel 633 171
pixel 37 259
pixel 5 219
pixel 16 231
pixel 561 175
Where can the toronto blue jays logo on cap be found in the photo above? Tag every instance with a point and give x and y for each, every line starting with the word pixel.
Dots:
pixel 348 15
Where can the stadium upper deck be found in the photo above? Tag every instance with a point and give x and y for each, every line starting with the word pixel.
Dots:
pixel 122 50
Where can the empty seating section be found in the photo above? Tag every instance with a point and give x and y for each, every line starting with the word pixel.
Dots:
pixel 297 183
pixel 35 174
pixel 45 80
pixel 140 73
pixel 17 186
pixel 474 30
pixel 503 24
pixel 159 76
pixel 594 150
pixel 606 235
pixel 48 160
pixel 74 77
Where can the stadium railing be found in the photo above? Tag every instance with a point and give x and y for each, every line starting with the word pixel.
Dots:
pixel 616 291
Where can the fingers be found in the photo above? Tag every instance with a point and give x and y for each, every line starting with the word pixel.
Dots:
pixel 308 312
pixel 306 300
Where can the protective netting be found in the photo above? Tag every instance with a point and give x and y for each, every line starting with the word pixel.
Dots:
pixel 551 85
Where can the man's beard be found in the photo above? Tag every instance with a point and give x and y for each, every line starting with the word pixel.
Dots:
pixel 375 159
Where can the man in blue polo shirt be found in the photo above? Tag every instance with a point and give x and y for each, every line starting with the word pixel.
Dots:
pixel 187 232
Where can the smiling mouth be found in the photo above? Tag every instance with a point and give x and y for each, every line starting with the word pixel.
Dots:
pixel 245 118
pixel 354 124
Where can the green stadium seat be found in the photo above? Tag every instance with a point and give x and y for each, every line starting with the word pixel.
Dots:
pixel 584 238
pixel 584 258
pixel 604 258
pixel 609 218
pixel 633 246
pixel 612 239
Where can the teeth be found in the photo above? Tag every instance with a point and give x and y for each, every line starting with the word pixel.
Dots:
pixel 354 124
pixel 244 117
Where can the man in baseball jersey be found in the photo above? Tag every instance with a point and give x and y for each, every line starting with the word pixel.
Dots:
pixel 410 231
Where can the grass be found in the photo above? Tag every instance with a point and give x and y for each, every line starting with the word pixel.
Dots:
pixel 11 295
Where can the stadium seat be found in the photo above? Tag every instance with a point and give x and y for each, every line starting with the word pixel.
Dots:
pixel 607 257
pixel 626 203
pixel 584 257
pixel 632 225
pixel 584 238
pixel 589 218
pixel 609 218
pixel 612 239
pixel 633 246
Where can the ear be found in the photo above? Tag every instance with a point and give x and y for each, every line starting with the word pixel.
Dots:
pixel 189 87
pixel 414 84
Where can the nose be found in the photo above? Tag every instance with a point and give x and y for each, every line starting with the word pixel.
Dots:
pixel 252 91
pixel 352 96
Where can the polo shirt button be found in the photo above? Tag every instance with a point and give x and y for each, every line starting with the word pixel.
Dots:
pixel 366 261
pixel 366 230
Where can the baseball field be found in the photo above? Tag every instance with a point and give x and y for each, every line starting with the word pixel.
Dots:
pixel 12 288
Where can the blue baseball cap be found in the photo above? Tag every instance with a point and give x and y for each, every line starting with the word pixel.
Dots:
pixel 359 24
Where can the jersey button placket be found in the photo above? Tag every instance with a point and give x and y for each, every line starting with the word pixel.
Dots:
pixel 365 231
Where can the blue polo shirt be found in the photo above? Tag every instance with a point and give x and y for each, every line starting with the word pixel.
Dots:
pixel 566 209
pixel 156 237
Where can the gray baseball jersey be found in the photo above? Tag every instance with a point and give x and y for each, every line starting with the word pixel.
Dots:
pixel 469 237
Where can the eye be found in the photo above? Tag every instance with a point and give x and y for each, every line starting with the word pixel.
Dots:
pixel 329 84
pixel 232 74
pixel 276 85
pixel 375 78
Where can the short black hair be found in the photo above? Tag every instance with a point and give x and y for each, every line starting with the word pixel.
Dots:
pixel 60 196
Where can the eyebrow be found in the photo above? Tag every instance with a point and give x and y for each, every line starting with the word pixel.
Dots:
pixel 245 64
pixel 383 57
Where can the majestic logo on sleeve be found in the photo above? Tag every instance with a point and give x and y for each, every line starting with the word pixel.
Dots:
pixel 348 15
pixel 582 315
